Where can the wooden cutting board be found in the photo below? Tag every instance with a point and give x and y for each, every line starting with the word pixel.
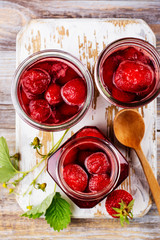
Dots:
pixel 85 39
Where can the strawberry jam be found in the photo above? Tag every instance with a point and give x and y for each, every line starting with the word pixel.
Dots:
pixel 127 72
pixel 52 91
pixel 87 167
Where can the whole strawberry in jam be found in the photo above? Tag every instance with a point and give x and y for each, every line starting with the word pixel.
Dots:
pixel 91 132
pixel 35 81
pixel 53 94
pixel 119 204
pixel 97 163
pixel 75 177
pixel 74 92
pixel 134 54
pixel 82 155
pixel 71 156
pixel 58 70
pixel 68 110
pixel 123 96
pixel 39 110
pixel 98 182
pixel 133 76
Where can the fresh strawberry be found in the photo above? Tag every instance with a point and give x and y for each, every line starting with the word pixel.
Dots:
pixel 97 163
pixel 134 54
pixel 53 94
pixel 35 81
pixel 89 132
pixel 71 156
pixel 68 110
pixel 119 204
pixel 39 110
pixel 58 70
pixel 82 155
pixel 74 92
pixel 98 182
pixel 133 76
pixel 122 96
pixel 75 177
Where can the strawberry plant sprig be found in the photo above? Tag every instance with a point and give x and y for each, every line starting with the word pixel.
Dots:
pixel 8 170
pixel 56 209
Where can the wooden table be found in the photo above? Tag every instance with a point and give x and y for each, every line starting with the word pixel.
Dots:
pixel 14 15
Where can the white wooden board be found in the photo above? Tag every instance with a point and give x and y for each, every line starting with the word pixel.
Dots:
pixel 85 39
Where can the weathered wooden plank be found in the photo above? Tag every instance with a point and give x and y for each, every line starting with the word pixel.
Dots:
pixel 9 134
pixel 15 14
pixel 7 69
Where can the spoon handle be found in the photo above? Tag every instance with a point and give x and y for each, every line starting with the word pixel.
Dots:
pixel 153 184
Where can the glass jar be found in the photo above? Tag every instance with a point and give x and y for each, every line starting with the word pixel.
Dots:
pixel 120 47
pixel 57 162
pixel 49 55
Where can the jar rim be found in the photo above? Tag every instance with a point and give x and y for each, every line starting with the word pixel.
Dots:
pixel 109 149
pixel 137 42
pixel 63 55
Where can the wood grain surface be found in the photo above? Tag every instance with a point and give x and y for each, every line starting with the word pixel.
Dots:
pixel 14 15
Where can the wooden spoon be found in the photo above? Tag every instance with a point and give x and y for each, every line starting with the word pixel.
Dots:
pixel 129 129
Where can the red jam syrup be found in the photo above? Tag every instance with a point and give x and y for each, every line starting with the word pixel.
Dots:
pixel 52 91
pixel 128 74
pixel 85 165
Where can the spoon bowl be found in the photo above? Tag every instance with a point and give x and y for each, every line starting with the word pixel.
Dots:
pixel 129 129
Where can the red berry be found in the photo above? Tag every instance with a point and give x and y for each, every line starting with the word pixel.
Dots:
pixel 58 70
pixel 82 155
pixel 147 91
pixel 24 97
pixel 70 74
pixel 44 65
pixel 53 94
pixel 115 199
pixel 74 92
pixel 71 156
pixel 97 163
pixel 75 177
pixel 90 132
pixel 98 182
pixel 68 110
pixel 39 110
pixel 134 54
pixel 133 76
pixel 55 118
pixel 123 96
pixel 35 81
pixel 24 101
pixel 109 67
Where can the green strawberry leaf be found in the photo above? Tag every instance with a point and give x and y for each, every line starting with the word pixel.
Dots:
pixel 6 173
pixel 58 215
pixel 4 153
pixel 130 205
pixel 39 210
pixel 7 170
